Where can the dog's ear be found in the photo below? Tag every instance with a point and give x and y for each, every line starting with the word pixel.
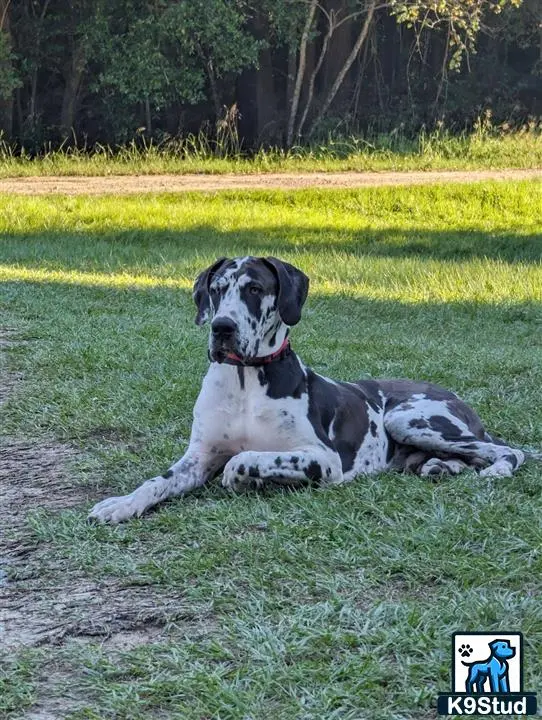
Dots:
pixel 201 290
pixel 293 286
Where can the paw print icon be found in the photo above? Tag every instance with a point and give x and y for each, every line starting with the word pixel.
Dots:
pixel 465 650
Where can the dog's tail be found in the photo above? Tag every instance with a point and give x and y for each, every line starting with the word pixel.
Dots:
pixel 529 453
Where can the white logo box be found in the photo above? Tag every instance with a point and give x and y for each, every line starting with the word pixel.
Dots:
pixel 479 643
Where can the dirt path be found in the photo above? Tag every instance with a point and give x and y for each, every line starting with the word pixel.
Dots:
pixel 130 184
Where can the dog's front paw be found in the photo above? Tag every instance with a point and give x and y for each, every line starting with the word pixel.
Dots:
pixel 242 473
pixel 116 509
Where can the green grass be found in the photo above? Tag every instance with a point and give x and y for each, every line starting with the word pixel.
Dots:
pixel 484 148
pixel 314 604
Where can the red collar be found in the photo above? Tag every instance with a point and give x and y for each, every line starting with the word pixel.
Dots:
pixel 282 352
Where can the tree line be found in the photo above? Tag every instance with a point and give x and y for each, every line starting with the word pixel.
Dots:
pixel 274 72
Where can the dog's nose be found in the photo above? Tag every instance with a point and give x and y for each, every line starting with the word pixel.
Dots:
pixel 223 326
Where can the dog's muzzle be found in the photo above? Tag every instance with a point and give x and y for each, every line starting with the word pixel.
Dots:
pixel 224 338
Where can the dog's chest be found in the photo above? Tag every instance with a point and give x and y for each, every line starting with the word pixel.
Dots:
pixel 236 414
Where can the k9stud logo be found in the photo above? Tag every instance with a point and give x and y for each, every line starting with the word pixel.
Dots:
pixel 487 676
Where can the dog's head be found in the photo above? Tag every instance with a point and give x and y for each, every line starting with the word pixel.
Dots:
pixel 251 303
pixel 501 649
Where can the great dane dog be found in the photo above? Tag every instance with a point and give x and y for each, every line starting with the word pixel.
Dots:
pixel 262 416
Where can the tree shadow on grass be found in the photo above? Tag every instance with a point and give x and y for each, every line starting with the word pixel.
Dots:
pixel 190 248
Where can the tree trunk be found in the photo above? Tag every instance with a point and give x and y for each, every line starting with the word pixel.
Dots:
pixel 347 64
pixel 148 117
pixel 300 71
pixel 74 75
pixel 340 44
pixel 290 80
pixel 314 73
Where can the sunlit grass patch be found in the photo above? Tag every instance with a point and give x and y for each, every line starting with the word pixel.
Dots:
pixel 406 280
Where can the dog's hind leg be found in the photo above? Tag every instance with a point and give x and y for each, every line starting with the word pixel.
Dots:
pixel 469 683
pixel 452 435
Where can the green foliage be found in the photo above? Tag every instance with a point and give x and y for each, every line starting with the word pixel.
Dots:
pixel 461 19
pixel 9 78
pixel 137 68
pixel 99 70
pixel 213 30
pixel 165 56
pixel 285 19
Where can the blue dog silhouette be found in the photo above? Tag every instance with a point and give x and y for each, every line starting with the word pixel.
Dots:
pixel 495 668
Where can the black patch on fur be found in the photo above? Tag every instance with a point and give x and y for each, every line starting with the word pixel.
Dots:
pixel 323 401
pixel 313 471
pixel 446 428
pixel 254 471
pixel 261 377
pixel 369 389
pixel 241 376
pixel 278 462
pixel 391 449
pixel 252 301
pixel 167 474
pixel 284 378
pixel 241 469
pixel 512 459
pixel 418 423
pixel 372 428
pixel 294 459
pixel 226 436
pixel 461 410
pixel 273 339
pixel 344 406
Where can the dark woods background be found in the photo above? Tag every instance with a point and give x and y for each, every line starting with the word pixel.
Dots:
pixel 278 72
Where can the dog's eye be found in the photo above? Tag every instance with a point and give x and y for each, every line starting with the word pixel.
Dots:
pixel 254 289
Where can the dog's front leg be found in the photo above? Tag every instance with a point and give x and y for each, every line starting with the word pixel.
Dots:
pixel 191 471
pixel 318 465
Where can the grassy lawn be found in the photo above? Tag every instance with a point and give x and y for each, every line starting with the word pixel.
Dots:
pixel 310 604
pixel 484 148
